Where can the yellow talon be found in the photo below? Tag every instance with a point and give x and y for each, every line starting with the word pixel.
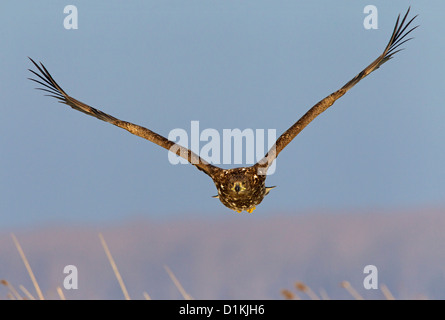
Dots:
pixel 251 209
pixel 248 210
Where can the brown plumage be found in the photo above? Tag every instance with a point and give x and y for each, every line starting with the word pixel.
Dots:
pixel 239 188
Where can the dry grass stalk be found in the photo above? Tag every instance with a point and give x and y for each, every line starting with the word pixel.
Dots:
pixel 114 266
pixel 26 292
pixel 306 289
pixel 60 292
pixel 28 267
pixel 388 295
pixel 178 284
pixel 12 289
pixel 288 295
pixel 146 296
pixel 351 290
pixel 324 295
pixel 11 296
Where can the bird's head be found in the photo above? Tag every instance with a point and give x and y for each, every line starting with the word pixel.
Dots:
pixel 241 188
pixel 238 183
pixel 238 186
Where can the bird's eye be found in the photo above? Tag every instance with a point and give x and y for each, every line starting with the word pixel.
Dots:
pixel 237 188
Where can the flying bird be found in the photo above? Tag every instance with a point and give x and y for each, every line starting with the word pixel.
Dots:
pixel 240 189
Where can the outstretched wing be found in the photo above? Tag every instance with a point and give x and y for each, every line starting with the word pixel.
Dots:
pixel 51 86
pixel 397 39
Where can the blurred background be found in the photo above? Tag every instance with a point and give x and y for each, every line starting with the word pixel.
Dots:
pixel 362 184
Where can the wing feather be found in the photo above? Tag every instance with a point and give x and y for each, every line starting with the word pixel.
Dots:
pixel 51 86
pixel 397 39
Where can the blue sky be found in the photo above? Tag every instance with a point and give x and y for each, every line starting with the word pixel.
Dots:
pixel 227 64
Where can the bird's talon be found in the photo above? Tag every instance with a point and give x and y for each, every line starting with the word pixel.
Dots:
pixel 251 209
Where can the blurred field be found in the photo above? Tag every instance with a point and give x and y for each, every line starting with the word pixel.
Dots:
pixel 239 257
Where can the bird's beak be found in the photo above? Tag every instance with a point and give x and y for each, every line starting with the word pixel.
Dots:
pixel 238 187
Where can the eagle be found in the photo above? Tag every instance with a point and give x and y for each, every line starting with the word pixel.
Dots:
pixel 244 188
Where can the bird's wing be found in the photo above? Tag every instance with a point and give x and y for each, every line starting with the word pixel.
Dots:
pixel 397 39
pixel 51 86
